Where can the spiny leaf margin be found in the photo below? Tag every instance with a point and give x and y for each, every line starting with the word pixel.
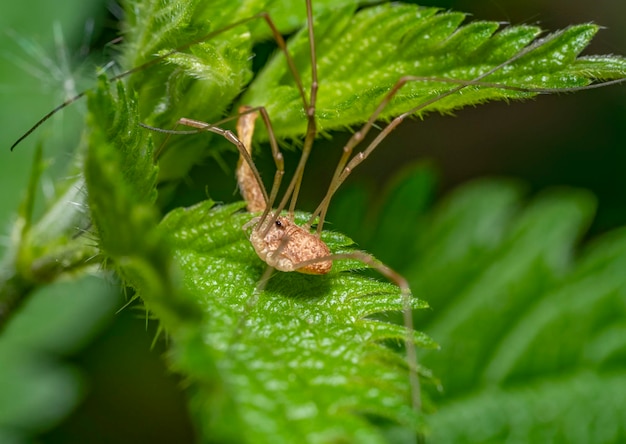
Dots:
pixel 422 42
pixel 302 357
pixel 537 320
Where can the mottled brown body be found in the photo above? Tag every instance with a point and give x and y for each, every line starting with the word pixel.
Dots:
pixel 248 186
pixel 285 246
pixel 278 241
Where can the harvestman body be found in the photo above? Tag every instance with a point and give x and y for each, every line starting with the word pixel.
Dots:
pixel 279 242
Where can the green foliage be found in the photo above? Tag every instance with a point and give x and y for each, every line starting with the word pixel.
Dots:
pixel 203 80
pixel 213 315
pixel 316 356
pixel 531 325
pixel 303 356
pixel 38 388
pixel 120 173
pixel 121 184
pixel 559 318
pixel 397 40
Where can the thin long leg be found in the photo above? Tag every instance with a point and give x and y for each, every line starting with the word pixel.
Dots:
pixel 249 187
pixel 203 127
pixel 344 168
pixel 310 110
pixel 294 186
pixel 407 313
pixel 162 147
pixel 245 128
pixel 230 136
pixel 262 15
pixel 309 105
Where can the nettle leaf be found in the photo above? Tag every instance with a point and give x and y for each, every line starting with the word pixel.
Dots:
pixel 536 330
pixel 201 82
pixel 208 54
pixel 206 68
pixel 362 56
pixel 121 184
pixel 304 357
pixel 152 26
pixel 119 171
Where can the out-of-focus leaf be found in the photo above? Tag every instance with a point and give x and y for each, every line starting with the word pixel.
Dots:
pixel 38 388
pixel 531 329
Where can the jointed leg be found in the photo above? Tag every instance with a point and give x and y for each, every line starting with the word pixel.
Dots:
pixel 252 184
pixel 294 186
pixel 347 165
pixel 407 313
pixel 309 105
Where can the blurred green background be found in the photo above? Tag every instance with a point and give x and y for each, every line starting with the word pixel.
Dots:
pixel 575 139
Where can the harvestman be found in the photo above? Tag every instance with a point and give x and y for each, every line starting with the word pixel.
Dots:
pixel 276 238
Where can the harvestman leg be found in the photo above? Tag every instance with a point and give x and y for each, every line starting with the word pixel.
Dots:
pixel 245 128
pixel 407 313
pixel 347 165
pixel 293 189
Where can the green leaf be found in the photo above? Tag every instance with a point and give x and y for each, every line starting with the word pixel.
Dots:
pixel 360 57
pixel 396 40
pixel 39 385
pixel 120 173
pixel 121 183
pixel 203 80
pixel 538 328
pixel 213 50
pixel 304 357
pixel 531 325
pixel 529 259
pixel 580 408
